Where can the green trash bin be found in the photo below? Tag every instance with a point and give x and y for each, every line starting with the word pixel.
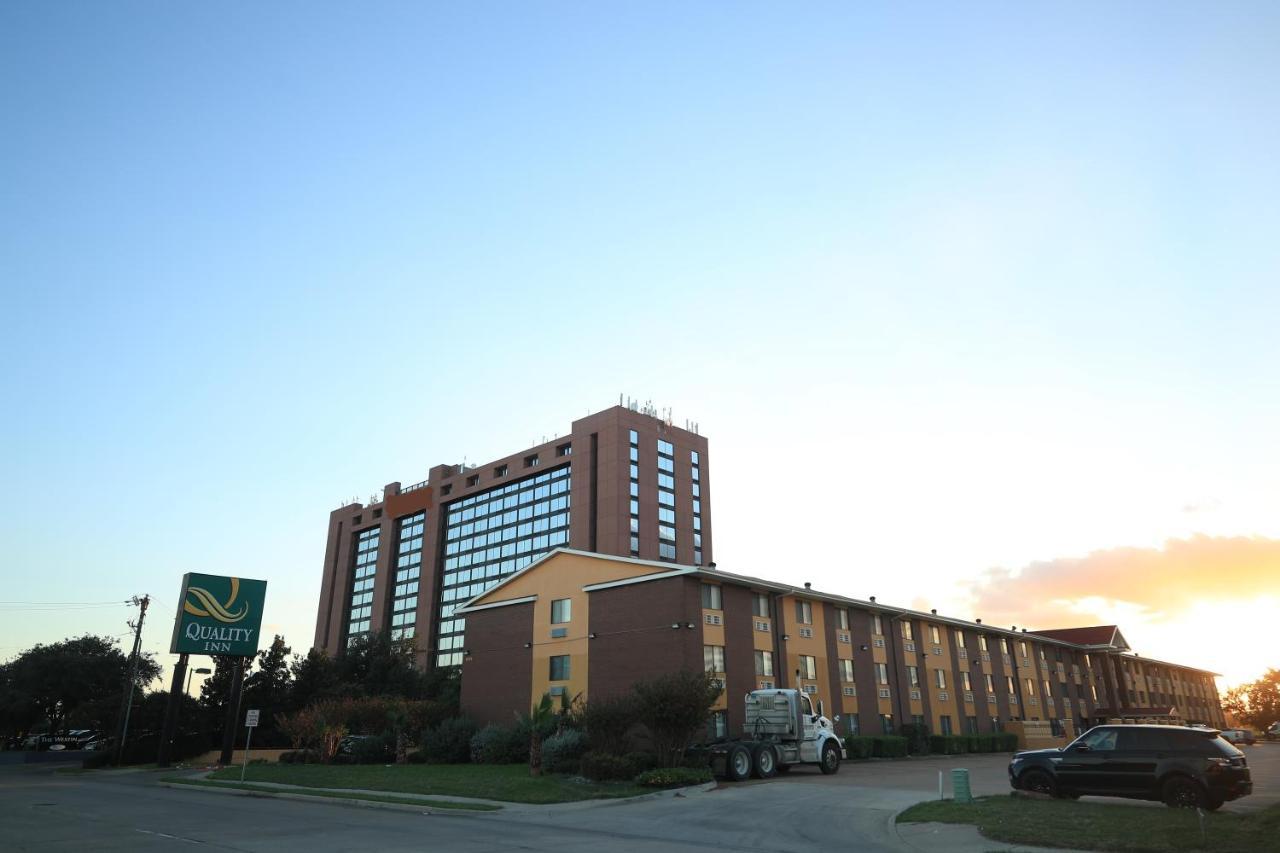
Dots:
pixel 960 786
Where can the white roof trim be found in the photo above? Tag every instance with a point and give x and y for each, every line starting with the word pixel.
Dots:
pixel 472 608
pixel 679 572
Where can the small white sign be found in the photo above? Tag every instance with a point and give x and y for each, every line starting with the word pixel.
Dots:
pixel 251 719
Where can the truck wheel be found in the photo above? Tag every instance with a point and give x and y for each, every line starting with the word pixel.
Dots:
pixel 830 758
pixel 766 762
pixel 737 765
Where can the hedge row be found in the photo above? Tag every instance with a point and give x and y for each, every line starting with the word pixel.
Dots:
pixel 876 746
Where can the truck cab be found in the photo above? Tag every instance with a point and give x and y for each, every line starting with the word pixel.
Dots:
pixel 781 729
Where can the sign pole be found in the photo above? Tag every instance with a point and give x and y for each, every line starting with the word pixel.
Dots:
pixel 251 723
pixel 171 712
pixel 233 713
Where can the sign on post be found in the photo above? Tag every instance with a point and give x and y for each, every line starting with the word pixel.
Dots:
pixel 218 615
pixel 251 723
pixel 251 718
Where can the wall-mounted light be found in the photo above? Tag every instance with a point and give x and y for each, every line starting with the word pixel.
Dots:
pixel 864 647
pixel 689 625
pixel 591 636
pixel 786 637
pixel 528 645
pixel 675 625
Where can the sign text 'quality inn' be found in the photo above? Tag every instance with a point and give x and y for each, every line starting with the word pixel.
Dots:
pixel 218 616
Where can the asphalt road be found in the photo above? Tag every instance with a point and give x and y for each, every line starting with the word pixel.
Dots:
pixel 802 811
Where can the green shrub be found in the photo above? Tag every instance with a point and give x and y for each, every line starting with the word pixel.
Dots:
pixel 859 746
pixel 949 744
pixel 643 761
pixel 372 750
pixel 561 753
pixel 917 735
pixel 973 743
pixel 99 759
pixel 449 742
pixel 889 746
pixel 674 777
pixel 496 744
pixel 417 757
pixel 300 756
pixel 1006 742
pixel 607 721
pixel 605 767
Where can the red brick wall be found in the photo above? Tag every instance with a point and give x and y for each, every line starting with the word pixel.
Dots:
pixel 497 677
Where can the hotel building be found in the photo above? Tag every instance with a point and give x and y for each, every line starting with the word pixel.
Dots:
pixel 589 625
pixel 622 482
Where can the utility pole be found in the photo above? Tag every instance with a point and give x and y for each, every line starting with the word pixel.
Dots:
pixel 127 703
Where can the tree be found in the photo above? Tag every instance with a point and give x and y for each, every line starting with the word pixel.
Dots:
pixel 674 708
pixel 1256 704
pixel 268 687
pixel 541 721
pixel 53 683
pixel 315 677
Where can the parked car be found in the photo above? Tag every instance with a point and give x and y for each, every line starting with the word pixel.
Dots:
pixel 1183 767
pixel 1244 736
pixel 1273 731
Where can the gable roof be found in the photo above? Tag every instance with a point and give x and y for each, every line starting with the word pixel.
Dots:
pixel 1107 636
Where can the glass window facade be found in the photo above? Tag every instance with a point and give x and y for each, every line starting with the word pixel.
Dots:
pixel 492 535
pixel 696 476
pixel 364 565
pixel 666 498
pixel 635 493
pixel 404 601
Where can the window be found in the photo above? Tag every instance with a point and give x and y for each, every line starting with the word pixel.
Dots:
pixel 935 635
pixel 665 447
pixel 564 450
pixel 1008 683
pixel 959 638
pixel 907 633
pixel 882 673
pixel 913 676
pixel 408 569
pixel 473 480
pixel 804 612
pixel 561 611
pixel 1004 645
pixel 940 678
pixel 500 470
pixel 531 461
pixel 886 723
pixel 846 671
pixel 764 663
pixel 982 642
pixel 364 568
pixel 1022 648
pixel 965 681
pixel 713 658
pixel 1031 687
pixel 711 597
pixel 808 666
pixel 842 618
pixel 971 725
pixel 760 605
pixel 946 722
pixel 991 684
pixel 718 725
pixel 559 667
pixel 876 627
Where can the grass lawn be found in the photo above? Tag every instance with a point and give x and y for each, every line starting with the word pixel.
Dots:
pixel 376 798
pixel 504 782
pixel 1100 826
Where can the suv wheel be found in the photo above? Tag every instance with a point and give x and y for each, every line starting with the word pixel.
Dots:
pixel 1038 781
pixel 1183 793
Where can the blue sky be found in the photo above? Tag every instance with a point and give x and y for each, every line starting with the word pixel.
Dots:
pixel 971 287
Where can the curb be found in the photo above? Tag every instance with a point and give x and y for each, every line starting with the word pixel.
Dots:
pixel 427 808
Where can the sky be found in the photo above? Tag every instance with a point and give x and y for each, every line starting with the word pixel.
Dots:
pixel 976 304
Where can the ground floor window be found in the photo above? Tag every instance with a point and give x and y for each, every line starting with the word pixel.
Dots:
pixel 718 726
pixel 851 724
pixel 886 723
pixel 996 725
pixel 971 725
pixel 946 725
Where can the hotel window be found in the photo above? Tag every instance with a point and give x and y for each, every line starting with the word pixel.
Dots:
pixel 876 627
pixel 804 612
pixel 492 535
pixel 959 638
pixel 764 664
pixel 711 597
pixel 982 642
pixel 561 611
pixel 1048 691
pixel 886 723
pixel 913 676
pixel 946 722
pixel 842 619
pixel 1022 648
pixel 965 680
pixel 1009 685
pixel 760 605
pixel 713 658
pixel 359 613
pixel 697 508
pixel 991 684
pixel 1031 687
pixel 882 673
pixel 635 490
pixel 935 635
pixel 907 633
pixel 940 678
pixel 666 497
pixel 1004 645
pixel 808 666
pixel 404 604
pixel 559 668
pixel 846 671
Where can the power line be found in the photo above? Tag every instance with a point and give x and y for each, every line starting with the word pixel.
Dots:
pixel 73 603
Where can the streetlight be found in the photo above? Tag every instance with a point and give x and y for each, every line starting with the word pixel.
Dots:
pixel 203 670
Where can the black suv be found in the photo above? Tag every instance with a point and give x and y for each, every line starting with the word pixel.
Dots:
pixel 1181 766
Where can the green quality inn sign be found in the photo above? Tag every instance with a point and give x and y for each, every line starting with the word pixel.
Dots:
pixel 218 616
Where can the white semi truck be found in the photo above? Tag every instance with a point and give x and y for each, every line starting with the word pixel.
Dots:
pixel 781 730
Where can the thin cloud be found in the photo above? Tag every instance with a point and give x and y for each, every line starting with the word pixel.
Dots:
pixel 1151 584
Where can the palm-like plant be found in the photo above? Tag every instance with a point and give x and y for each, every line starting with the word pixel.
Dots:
pixel 541 718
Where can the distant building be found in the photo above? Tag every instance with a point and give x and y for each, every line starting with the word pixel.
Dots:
pixel 590 625
pixel 622 482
